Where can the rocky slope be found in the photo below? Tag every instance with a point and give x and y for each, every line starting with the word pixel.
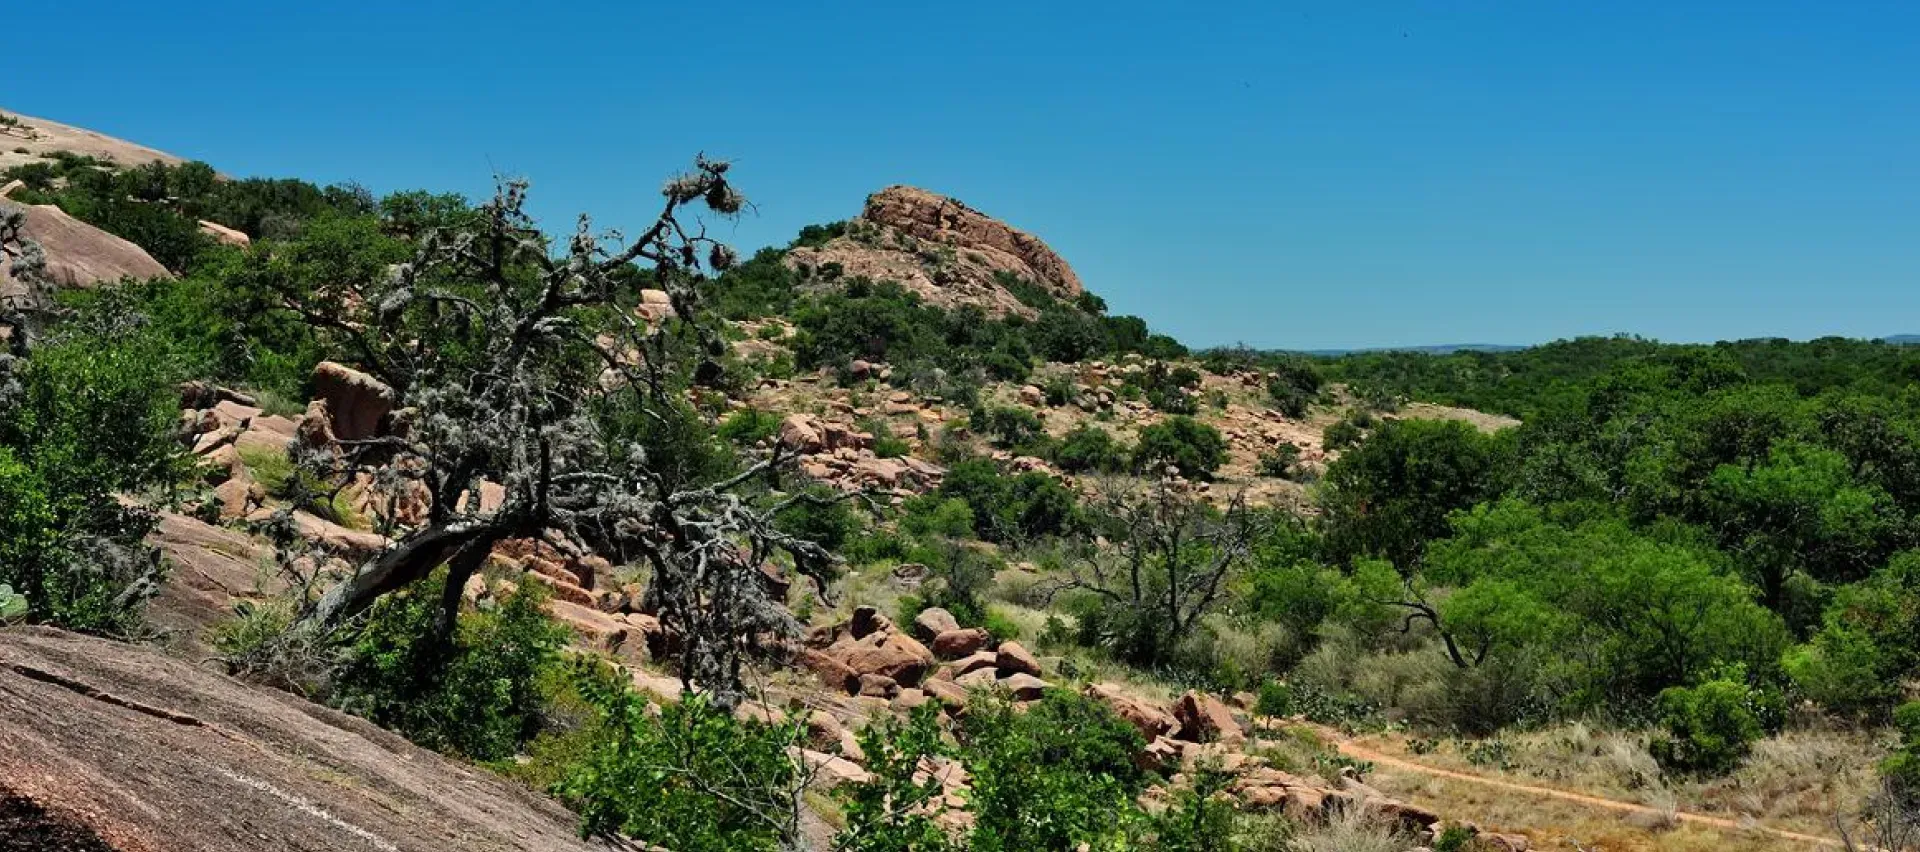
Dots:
pixel 111 747
pixel 949 253
pixel 26 139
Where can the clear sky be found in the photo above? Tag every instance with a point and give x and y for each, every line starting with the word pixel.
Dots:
pixel 1291 175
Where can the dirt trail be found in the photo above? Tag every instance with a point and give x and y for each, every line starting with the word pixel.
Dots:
pixel 1382 759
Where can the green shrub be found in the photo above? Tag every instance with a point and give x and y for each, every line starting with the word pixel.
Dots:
pixel 1192 447
pixel 1011 508
pixel 1901 770
pixel 1342 434
pixel 1279 462
pixel 1274 699
pixel 1016 429
pixel 897 809
pixel 931 515
pixel 1293 388
pixel 826 519
pixel 1200 818
pixel 1051 777
pixel 689 777
pixel 749 426
pixel 13 605
pixel 1708 729
pixel 1090 448
pixel 478 694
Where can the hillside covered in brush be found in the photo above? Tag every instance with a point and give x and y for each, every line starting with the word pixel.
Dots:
pixel 333 520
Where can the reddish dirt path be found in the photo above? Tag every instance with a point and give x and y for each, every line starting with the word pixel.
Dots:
pixel 1382 759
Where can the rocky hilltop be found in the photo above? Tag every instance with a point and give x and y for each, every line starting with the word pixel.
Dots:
pixel 949 253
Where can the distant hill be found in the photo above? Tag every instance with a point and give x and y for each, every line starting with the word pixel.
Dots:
pixel 1438 349
pixel 1902 339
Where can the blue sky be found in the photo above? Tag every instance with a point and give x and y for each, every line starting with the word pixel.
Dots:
pixel 1288 175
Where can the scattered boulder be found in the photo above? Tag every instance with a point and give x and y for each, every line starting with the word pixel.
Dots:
pixel 963 642
pixel 933 621
pixel 1024 687
pixel 1152 721
pixel 895 655
pixel 355 401
pixel 79 254
pixel 802 433
pixel 1204 719
pixel 225 234
pixel 1012 658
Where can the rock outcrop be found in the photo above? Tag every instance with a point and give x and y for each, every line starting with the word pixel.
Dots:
pixel 947 252
pixel 79 254
pixel 118 747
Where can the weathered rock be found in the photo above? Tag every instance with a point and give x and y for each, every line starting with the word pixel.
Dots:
pixel 866 621
pixel 78 254
pixel 980 660
pixel 941 249
pixel 831 669
pixel 964 642
pixel 141 751
pixel 933 621
pixel 895 655
pixel 1013 658
pixel 878 686
pixel 802 432
pixel 1152 721
pixel 950 694
pixel 1032 396
pixel 1204 719
pixel 356 402
pixel 596 630
pixel 316 427
pixel 225 234
pixel 1024 687
pixel 978 679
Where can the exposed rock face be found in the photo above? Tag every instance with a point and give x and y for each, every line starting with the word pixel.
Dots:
pixel 79 254
pixel 225 234
pixel 945 251
pixel 145 753
pixel 355 400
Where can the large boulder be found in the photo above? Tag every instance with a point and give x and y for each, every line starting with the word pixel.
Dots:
pixel 356 402
pixel 802 432
pixel 937 219
pixel 895 655
pixel 933 621
pixel 116 746
pixel 1152 721
pixel 1205 719
pixel 1013 658
pixel 78 254
pixel 964 642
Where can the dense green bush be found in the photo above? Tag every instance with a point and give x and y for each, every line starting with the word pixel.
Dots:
pixel 1019 430
pixel 1865 647
pixel 896 810
pixel 478 693
pixel 88 416
pixel 1392 494
pixel 1708 729
pixel 687 777
pixel 1192 447
pixel 1089 448
pixel 1280 462
pixel 749 426
pixel 1011 508
pixel 1052 776
pixel 1293 387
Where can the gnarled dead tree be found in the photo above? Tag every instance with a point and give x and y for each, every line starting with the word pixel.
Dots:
pixel 504 357
pixel 1171 560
